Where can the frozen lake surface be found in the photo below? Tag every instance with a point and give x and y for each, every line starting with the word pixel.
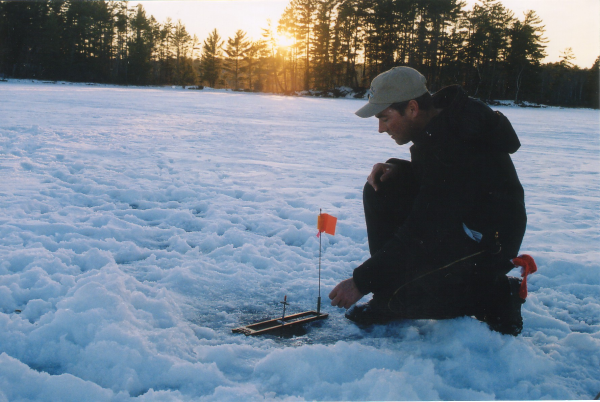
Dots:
pixel 138 226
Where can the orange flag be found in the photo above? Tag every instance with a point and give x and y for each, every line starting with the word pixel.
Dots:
pixel 326 223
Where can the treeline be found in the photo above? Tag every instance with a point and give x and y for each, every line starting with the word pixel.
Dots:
pixel 110 42
pixel 97 41
pixel 487 50
pixel 333 44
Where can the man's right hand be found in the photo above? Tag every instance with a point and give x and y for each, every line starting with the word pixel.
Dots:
pixel 345 294
pixel 380 173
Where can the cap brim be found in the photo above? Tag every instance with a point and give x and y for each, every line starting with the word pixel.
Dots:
pixel 371 109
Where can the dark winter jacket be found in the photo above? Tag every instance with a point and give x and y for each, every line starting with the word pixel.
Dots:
pixel 466 177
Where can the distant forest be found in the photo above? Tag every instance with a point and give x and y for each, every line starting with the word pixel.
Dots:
pixel 335 43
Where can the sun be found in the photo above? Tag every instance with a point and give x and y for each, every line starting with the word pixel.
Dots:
pixel 284 41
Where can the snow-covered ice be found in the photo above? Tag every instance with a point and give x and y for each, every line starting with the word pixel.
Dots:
pixel 138 226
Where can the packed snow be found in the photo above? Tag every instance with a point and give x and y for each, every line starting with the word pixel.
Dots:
pixel 139 226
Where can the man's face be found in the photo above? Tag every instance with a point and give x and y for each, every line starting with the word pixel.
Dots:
pixel 400 128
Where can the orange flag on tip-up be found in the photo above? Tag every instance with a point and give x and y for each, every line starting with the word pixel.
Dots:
pixel 326 223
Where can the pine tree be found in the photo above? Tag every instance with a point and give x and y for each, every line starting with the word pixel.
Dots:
pixel 252 60
pixel 288 27
pixel 302 12
pixel 237 48
pixel 121 13
pixel 591 94
pixel 382 36
pixel 346 43
pixel 323 57
pixel 437 17
pixel 166 59
pixel 182 42
pixel 211 60
pixel 271 57
pixel 566 58
pixel 156 56
pixel 525 52
pixel 564 83
pixel 141 46
pixel 487 43
pixel 21 23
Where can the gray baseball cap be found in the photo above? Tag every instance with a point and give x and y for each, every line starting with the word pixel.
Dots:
pixel 396 85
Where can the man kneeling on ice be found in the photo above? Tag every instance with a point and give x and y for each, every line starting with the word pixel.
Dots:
pixel 443 227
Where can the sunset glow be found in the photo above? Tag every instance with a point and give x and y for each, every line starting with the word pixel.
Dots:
pixel 574 24
pixel 284 41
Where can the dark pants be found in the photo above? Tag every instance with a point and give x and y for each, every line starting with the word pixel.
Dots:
pixel 421 289
pixel 388 208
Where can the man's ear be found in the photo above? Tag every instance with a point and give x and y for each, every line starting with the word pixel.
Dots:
pixel 412 109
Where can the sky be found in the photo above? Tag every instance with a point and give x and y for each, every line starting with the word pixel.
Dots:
pixel 573 23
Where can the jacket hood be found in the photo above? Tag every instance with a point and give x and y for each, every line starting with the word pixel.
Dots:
pixel 474 122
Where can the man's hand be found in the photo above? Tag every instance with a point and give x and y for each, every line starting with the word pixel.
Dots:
pixel 345 294
pixel 380 173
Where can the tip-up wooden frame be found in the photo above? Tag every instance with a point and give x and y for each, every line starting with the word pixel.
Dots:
pixel 287 322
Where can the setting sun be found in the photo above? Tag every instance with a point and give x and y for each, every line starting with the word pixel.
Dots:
pixel 284 41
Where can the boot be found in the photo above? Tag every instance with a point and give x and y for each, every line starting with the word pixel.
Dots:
pixel 503 314
pixel 375 311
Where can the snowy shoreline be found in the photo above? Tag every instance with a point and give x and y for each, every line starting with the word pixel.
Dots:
pixel 340 93
pixel 139 225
